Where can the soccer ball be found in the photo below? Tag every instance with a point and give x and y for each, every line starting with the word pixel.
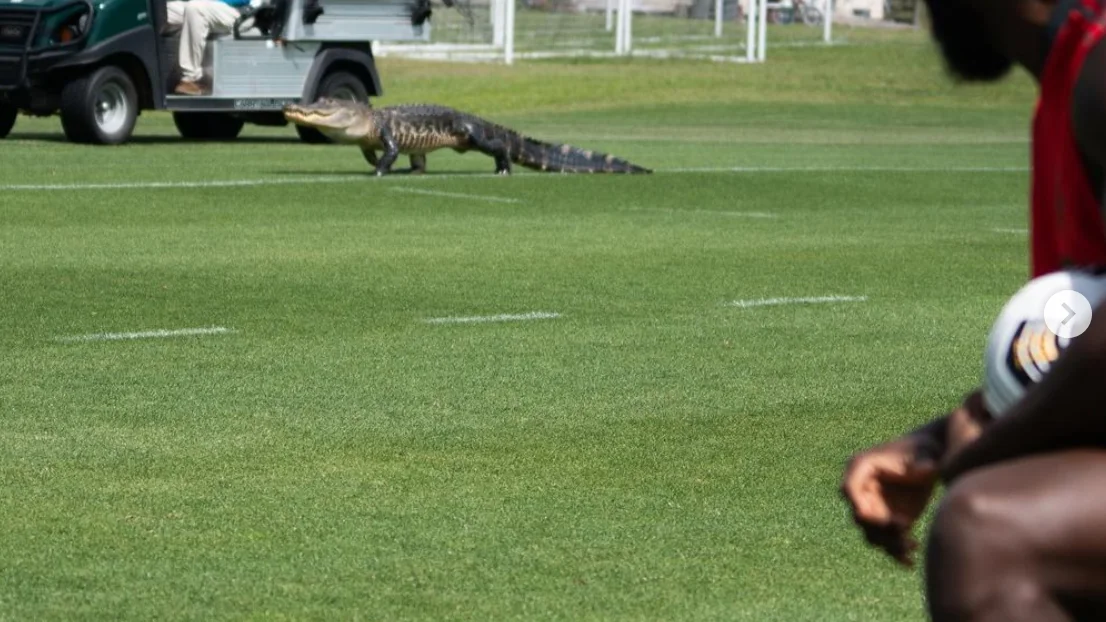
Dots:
pixel 1021 347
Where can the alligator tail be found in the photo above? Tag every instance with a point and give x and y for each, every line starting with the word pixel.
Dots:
pixel 542 156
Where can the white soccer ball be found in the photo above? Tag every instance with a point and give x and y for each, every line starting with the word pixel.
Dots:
pixel 1021 347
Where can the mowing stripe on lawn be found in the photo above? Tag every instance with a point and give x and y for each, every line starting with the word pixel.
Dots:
pixel 147 334
pixel 535 315
pixel 273 181
pixel 456 195
pixel 765 302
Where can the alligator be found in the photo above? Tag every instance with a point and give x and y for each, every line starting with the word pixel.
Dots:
pixel 417 129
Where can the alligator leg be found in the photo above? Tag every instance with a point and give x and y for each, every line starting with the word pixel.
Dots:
pixel 418 161
pixel 370 156
pixel 491 146
pixel 497 150
pixel 391 152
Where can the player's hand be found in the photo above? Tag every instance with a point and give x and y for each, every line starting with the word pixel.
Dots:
pixel 887 488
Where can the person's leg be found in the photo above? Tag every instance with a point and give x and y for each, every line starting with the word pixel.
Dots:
pixel 1022 540
pixel 201 18
pixel 174 16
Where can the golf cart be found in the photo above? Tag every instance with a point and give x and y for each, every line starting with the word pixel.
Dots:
pixel 98 63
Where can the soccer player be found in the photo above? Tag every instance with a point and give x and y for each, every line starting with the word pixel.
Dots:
pixel 1021 531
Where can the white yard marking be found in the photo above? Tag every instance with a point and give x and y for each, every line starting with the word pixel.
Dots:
pixel 699 136
pixel 536 315
pixel 704 211
pixel 851 169
pixel 368 177
pixel 1016 231
pixel 456 195
pixel 148 334
pixel 764 302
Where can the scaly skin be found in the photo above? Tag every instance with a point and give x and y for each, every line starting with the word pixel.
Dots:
pixel 417 129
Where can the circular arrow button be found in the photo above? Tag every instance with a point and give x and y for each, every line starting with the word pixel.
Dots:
pixel 1067 314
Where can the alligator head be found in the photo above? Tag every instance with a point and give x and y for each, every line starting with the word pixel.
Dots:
pixel 339 119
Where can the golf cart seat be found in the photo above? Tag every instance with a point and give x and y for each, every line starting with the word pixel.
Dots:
pixel 267 19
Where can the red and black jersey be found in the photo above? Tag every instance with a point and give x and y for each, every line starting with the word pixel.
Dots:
pixel 1066 222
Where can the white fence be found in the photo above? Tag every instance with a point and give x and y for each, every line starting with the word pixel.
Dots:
pixel 722 30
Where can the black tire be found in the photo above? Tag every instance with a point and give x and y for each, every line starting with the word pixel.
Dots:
pixel 336 85
pixel 100 107
pixel 207 125
pixel 7 119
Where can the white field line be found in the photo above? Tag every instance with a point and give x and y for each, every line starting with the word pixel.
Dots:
pixel 851 169
pixel 456 195
pixel 663 210
pixel 1011 230
pixel 147 334
pixel 769 140
pixel 536 315
pixel 765 302
pixel 274 181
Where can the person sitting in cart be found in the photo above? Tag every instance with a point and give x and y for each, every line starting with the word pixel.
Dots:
pixel 196 19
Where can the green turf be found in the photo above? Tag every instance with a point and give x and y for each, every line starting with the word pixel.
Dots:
pixel 650 454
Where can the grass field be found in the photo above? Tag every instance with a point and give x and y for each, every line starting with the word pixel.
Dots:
pixel 653 452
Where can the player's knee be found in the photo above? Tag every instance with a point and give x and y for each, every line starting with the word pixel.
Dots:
pixel 965 513
pixel 975 514
pixel 1006 599
pixel 971 555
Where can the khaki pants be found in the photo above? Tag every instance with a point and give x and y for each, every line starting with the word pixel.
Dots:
pixel 196 19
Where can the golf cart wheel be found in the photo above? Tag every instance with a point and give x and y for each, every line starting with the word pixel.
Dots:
pixel 7 119
pixel 100 107
pixel 207 125
pixel 336 85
